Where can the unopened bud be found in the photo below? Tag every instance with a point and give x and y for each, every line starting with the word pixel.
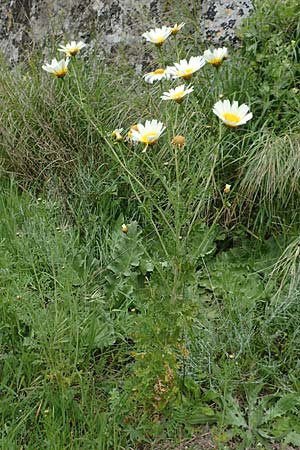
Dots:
pixel 179 141
pixel 227 188
pixel 133 127
pixel 124 228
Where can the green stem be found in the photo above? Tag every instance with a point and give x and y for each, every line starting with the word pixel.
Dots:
pixel 210 179
pixel 161 57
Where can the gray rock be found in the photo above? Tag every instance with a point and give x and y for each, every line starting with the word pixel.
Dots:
pixel 107 25
pixel 221 18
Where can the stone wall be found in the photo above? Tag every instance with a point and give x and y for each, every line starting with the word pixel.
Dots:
pixel 29 24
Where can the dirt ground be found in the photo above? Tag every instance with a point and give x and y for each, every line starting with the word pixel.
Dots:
pixel 205 442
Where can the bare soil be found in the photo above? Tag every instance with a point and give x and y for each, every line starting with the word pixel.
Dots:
pixel 205 442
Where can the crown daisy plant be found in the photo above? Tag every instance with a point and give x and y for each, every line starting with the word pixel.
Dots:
pixel 156 75
pixel 177 94
pixel 147 134
pixel 176 28
pixel 158 35
pixel 216 57
pixel 185 69
pixel 72 48
pixel 232 115
pixel 57 68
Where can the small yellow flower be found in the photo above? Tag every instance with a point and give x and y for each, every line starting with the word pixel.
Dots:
pixel 178 141
pixel 117 134
pixel 227 188
pixel 124 228
pixel 176 28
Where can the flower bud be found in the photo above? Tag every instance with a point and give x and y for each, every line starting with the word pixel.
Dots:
pixel 179 141
pixel 129 134
pixel 227 188
pixel 124 228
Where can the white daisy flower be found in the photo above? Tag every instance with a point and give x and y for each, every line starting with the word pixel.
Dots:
pixel 72 48
pixel 232 115
pixel 158 35
pixel 177 27
pixel 185 69
pixel 149 133
pixel 156 75
pixel 216 56
pixel 178 93
pixel 58 68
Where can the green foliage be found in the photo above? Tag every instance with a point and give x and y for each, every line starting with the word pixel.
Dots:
pixel 117 336
pixel 254 425
pixel 126 272
pixel 52 328
pixel 271 46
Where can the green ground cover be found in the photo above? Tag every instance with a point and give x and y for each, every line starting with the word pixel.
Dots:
pixel 186 320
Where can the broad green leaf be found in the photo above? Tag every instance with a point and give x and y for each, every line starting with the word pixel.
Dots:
pixel 293 438
pixel 284 405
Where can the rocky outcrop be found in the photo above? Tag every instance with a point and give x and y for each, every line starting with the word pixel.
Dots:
pixel 108 24
pixel 221 19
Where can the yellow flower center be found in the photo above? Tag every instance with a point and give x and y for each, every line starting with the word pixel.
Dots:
pixel 215 61
pixel 72 51
pixel 150 138
pixel 158 72
pixel 61 73
pixel 187 73
pixel 230 117
pixel 178 96
pixel 175 30
pixel 159 41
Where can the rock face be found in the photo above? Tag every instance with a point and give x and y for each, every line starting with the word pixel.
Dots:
pixel 108 24
pixel 222 17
